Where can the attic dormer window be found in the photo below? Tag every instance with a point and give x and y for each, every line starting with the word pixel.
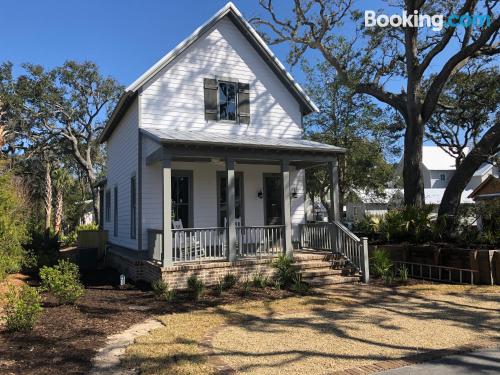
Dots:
pixel 228 100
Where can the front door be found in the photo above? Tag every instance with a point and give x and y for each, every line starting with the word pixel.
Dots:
pixel 272 200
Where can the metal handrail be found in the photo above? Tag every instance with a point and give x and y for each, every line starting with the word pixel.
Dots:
pixel 336 238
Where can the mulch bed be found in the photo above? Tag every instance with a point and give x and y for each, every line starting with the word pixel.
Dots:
pixel 66 337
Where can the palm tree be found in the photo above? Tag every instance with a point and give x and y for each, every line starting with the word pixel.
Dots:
pixel 62 181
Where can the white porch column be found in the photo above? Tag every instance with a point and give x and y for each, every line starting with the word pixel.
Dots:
pixel 334 203
pixel 285 204
pixel 231 210
pixel 333 168
pixel 167 213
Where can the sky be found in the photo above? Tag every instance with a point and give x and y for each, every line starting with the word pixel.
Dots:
pixel 123 37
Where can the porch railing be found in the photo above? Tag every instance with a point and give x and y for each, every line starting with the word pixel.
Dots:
pixel 259 240
pixel 198 244
pixel 338 239
pixel 432 272
pixel 190 244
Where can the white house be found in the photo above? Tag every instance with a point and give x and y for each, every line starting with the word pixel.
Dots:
pixel 205 152
pixel 437 168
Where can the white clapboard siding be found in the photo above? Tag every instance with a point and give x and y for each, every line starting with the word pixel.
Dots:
pixel 205 193
pixel 122 148
pixel 175 97
pixel 151 191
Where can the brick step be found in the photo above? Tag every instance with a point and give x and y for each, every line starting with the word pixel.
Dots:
pixel 311 264
pixel 330 280
pixel 319 272
pixel 319 264
pixel 310 257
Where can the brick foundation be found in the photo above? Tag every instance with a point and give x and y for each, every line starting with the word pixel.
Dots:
pixel 210 273
pixel 130 266
pixel 176 276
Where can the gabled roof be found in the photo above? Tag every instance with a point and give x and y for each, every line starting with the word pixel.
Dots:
pixel 491 186
pixel 172 136
pixel 230 11
pixel 485 168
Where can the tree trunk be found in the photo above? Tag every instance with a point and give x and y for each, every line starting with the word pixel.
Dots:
pixel 95 203
pixel 412 161
pixel 486 147
pixel 328 206
pixel 48 197
pixel 58 212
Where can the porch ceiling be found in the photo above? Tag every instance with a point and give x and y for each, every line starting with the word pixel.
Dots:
pixel 185 144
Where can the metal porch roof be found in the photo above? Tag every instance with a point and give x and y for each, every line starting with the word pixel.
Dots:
pixel 242 141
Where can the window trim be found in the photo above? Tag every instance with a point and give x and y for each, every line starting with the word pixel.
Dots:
pixel 115 212
pixel 107 206
pixel 443 175
pixel 235 83
pixel 133 207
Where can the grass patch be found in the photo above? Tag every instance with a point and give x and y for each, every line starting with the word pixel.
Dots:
pixel 346 326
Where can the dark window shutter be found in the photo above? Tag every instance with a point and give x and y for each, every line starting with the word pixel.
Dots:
pixel 210 90
pixel 244 103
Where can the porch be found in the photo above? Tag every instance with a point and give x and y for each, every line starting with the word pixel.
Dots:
pixel 326 253
pixel 251 188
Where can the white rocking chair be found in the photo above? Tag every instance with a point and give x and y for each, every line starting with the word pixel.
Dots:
pixel 196 252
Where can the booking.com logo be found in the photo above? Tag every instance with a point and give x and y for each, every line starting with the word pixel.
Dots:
pixel 435 21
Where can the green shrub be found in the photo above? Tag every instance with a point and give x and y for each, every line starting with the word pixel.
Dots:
pixel 229 281
pixel 246 287
pixel 259 280
pixel 285 272
pixel 23 308
pixel 13 224
pixel 298 285
pixel 91 226
pixel 388 277
pixel 380 263
pixel 369 225
pixel 162 290
pixel 69 239
pixel 409 224
pixel 44 247
pixel 196 287
pixel 219 287
pixel 403 273
pixel 62 281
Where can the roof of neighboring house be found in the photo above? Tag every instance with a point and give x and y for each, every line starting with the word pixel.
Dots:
pixel 252 36
pixel 372 197
pixel 483 169
pixel 432 196
pixel 435 195
pixel 489 188
pixel 206 138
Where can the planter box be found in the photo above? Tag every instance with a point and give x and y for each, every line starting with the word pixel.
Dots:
pixel 96 239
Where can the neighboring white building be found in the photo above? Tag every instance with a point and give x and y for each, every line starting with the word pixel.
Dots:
pixel 437 168
pixel 205 150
